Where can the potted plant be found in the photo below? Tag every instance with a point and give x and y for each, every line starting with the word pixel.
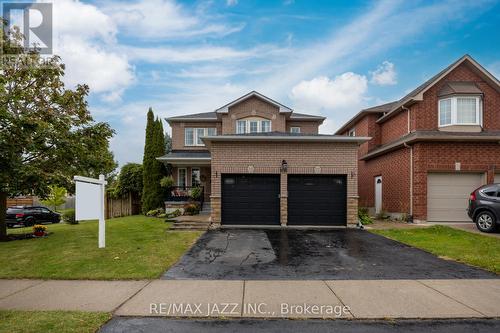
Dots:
pixel 39 230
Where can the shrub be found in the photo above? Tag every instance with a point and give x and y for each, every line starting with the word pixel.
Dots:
pixel 167 182
pixel 363 216
pixel 155 212
pixel 173 214
pixel 196 193
pixel 161 215
pixel 192 209
pixel 69 216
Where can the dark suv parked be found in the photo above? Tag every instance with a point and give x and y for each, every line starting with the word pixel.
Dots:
pixel 484 207
pixel 30 215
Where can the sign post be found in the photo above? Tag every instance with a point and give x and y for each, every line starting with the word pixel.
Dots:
pixel 89 203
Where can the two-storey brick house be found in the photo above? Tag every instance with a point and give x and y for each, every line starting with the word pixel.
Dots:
pixel 433 147
pixel 261 163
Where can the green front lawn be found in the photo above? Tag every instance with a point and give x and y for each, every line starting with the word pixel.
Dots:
pixel 449 243
pixel 51 321
pixel 137 247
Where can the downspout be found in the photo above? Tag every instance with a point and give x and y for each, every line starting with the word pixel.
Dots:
pixel 410 218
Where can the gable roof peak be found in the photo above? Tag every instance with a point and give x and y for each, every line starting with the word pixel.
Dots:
pixel 418 93
pixel 253 93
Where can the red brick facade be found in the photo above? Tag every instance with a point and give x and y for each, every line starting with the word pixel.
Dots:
pixel 226 122
pixel 405 191
pixel 439 156
pixel 302 158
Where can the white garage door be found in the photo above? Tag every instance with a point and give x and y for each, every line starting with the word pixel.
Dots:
pixel 497 178
pixel 448 194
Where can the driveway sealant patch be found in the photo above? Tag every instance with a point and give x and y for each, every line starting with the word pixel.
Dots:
pixel 291 254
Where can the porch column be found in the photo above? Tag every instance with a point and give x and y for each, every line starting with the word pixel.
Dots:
pixel 284 199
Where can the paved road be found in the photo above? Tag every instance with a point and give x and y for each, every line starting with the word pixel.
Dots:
pixel 151 325
pixel 311 255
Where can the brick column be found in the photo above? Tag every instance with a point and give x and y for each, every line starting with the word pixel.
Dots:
pixel 283 199
pixel 215 204
pixel 352 211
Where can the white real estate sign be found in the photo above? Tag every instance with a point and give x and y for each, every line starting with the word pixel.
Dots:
pixel 89 202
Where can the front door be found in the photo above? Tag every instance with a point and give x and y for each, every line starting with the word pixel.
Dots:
pixel 378 194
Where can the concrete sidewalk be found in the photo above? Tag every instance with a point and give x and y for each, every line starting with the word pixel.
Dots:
pixel 478 298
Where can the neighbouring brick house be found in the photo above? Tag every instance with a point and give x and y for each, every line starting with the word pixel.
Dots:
pixel 432 148
pixel 261 163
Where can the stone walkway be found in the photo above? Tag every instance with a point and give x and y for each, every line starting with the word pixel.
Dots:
pixel 361 299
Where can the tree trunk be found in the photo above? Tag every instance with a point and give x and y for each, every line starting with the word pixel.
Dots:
pixel 3 209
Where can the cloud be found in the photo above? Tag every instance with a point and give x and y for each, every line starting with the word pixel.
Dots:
pixel 154 19
pixel 84 38
pixel 231 3
pixel 184 54
pixel 365 36
pixel 86 62
pixel 188 73
pixel 345 91
pixel 384 75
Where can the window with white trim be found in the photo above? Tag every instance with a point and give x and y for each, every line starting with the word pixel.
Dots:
pixel 181 177
pixel 460 110
pixel 195 177
pixel 253 126
pixel 189 136
pixel 294 129
pixel 352 132
pixel 192 136
pixel 241 126
pixel 200 132
pixel 265 126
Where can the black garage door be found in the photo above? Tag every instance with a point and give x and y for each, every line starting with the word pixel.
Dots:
pixel 250 199
pixel 317 200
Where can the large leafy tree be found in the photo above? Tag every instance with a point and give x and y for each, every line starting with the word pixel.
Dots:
pixel 47 134
pixel 56 197
pixel 153 170
pixel 129 181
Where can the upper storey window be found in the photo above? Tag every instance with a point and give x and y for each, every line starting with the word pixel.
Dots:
pixel 192 136
pixel 252 126
pixel 460 110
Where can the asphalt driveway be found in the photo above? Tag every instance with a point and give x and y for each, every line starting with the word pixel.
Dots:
pixel 291 254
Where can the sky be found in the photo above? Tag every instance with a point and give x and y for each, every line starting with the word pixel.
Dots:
pixel 331 58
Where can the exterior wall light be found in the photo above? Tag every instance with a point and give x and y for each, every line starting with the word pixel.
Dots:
pixel 284 166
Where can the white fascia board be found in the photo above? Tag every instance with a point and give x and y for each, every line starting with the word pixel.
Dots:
pixel 225 108
pixel 347 139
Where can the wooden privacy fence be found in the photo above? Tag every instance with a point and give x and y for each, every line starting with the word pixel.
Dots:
pixel 129 205
pixel 20 201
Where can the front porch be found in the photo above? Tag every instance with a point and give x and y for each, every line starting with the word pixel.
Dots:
pixel 191 172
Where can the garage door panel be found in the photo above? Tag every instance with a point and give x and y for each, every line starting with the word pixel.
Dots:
pixel 250 199
pixel 317 200
pixel 448 194
pixel 497 178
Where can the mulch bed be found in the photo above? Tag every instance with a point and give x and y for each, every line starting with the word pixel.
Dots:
pixel 13 237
